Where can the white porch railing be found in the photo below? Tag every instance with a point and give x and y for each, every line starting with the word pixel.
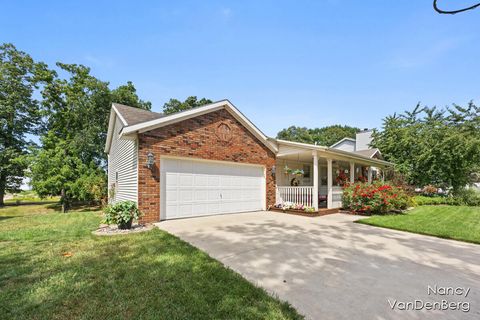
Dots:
pixel 337 193
pixel 303 195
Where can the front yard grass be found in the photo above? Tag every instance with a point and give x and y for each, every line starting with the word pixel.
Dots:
pixel 450 222
pixel 52 267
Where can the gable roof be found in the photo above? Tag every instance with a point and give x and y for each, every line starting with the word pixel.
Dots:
pixel 369 152
pixel 138 121
pixel 340 141
pixel 130 115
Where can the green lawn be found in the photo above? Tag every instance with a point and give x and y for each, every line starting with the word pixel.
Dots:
pixel 451 222
pixel 151 275
pixel 29 197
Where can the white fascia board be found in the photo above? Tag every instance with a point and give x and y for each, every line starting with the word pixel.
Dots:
pixel 307 146
pixel 157 123
pixel 111 125
pixel 333 152
pixel 124 122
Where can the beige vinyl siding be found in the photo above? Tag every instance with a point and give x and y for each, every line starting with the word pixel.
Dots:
pixel 346 145
pixel 122 159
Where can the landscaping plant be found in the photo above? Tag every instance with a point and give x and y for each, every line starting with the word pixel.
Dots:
pixel 375 198
pixel 122 213
pixel 462 197
pixel 294 206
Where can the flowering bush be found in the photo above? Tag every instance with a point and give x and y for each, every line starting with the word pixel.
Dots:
pixel 294 206
pixel 342 178
pixel 377 197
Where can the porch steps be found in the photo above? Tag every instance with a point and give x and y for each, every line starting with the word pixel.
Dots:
pixel 325 211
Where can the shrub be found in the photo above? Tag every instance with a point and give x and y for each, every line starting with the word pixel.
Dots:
pixel 467 197
pixel 376 198
pixel 429 190
pixel 121 213
pixel 464 197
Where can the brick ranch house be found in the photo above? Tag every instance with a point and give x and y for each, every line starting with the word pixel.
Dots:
pixel 213 160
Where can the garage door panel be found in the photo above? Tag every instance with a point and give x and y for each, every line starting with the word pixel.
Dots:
pixel 200 195
pixel 171 195
pixel 185 195
pixel 228 194
pixel 185 209
pixel 214 208
pixel 213 181
pixel 214 194
pixel 171 179
pixel 196 188
pixel 201 180
pixel 225 181
pixel 199 208
pixel 185 180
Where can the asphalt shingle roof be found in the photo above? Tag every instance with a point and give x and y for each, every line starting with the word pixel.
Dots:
pixel 135 115
pixel 367 153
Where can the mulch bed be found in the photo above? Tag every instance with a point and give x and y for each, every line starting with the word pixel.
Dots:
pixel 305 214
pixel 355 213
pixel 106 230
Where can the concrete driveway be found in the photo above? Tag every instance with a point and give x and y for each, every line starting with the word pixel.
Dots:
pixel 332 268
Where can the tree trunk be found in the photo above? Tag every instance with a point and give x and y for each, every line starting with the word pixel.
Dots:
pixel 64 201
pixel 3 183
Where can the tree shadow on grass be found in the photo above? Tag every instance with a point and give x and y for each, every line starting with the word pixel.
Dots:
pixel 143 276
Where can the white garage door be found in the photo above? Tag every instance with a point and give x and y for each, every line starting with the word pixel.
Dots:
pixel 197 188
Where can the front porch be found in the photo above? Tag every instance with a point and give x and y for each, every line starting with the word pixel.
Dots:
pixel 314 176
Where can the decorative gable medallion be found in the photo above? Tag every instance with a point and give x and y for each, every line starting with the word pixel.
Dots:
pixel 224 133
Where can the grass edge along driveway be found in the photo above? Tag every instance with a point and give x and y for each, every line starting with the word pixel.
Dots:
pixel 52 267
pixel 448 222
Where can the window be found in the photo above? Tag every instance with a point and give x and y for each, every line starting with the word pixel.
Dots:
pixel 306 171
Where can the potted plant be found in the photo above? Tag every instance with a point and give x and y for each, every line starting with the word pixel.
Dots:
pixel 122 213
pixel 298 172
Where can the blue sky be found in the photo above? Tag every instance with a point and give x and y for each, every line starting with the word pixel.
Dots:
pixel 282 63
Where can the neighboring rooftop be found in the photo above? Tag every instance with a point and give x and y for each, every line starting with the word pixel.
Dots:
pixel 369 152
pixel 133 115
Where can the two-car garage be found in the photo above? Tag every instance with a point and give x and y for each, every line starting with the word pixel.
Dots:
pixel 191 188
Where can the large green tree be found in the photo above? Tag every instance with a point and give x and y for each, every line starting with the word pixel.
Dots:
pixel 57 169
pixel 127 94
pixel 20 77
pixel 432 146
pixel 325 136
pixel 174 105
pixel 71 161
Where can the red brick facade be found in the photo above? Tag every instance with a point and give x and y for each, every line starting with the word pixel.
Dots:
pixel 214 136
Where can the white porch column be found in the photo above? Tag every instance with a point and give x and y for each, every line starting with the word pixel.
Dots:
pixel 315 180
pixel 352 172
pixel 370 174
pixel 329 184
